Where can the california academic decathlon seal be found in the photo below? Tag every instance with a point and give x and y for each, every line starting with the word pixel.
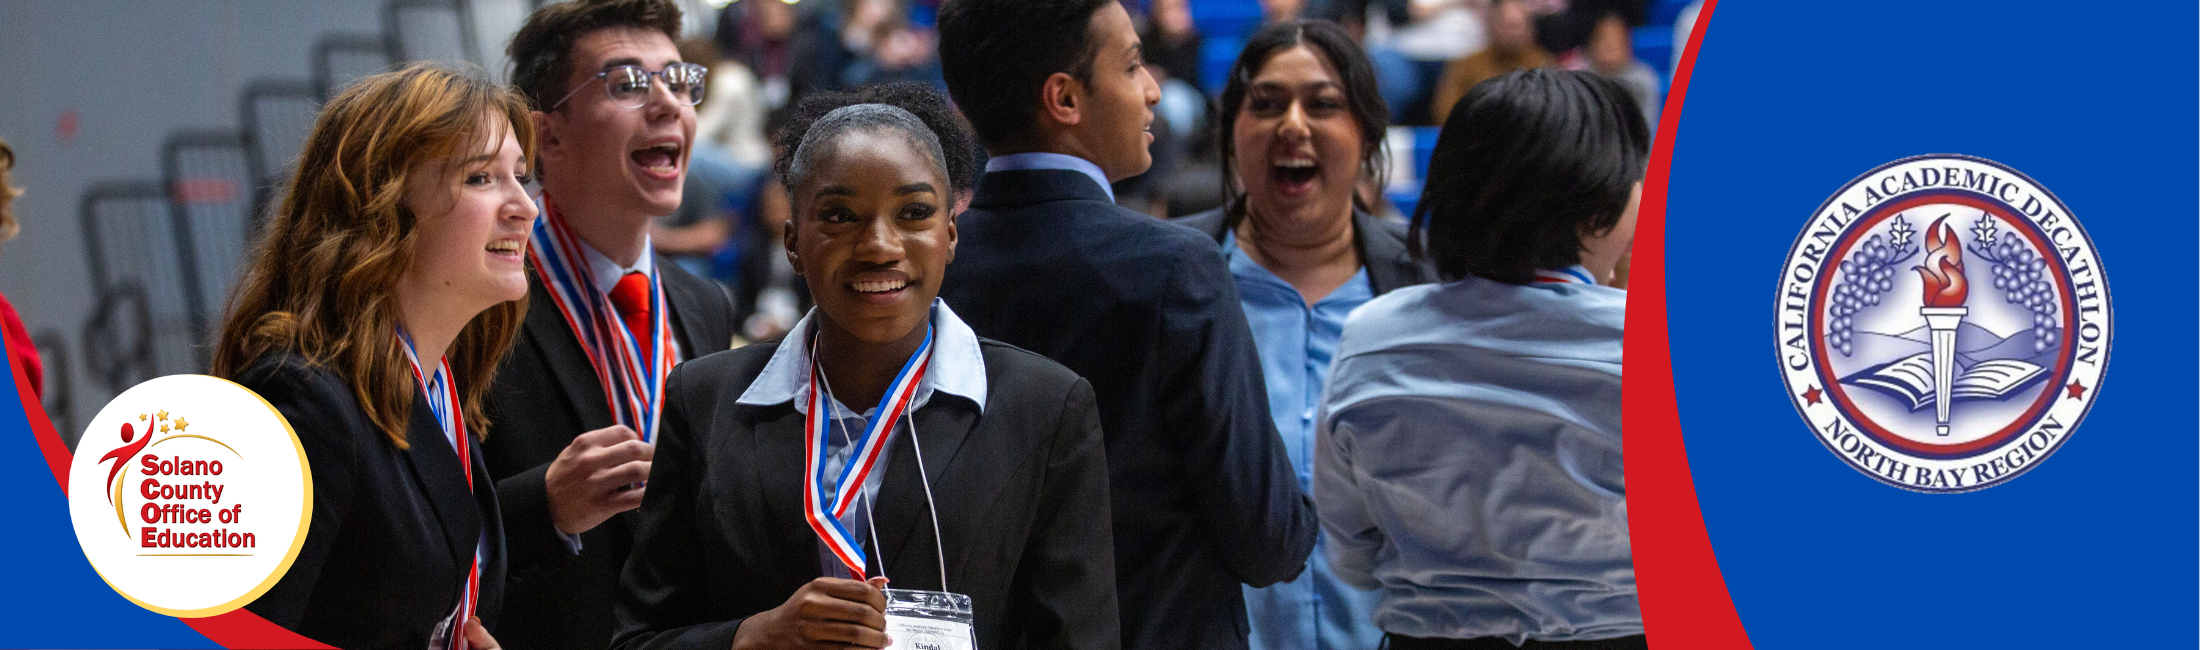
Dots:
pixel 1943 323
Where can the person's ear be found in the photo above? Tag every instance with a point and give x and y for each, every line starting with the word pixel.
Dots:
pixel 787 241
pixel 548 140
pixel 1061 98
pixel 951 230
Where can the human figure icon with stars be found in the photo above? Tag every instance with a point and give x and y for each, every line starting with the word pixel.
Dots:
pixel 121 455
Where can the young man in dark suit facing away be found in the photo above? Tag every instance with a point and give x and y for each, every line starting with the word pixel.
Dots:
pixel 1204 497
pixel 575 403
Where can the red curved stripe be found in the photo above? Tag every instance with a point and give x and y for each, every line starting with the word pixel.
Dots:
pixel 49 442
pixel 244 629
pixel 1684 599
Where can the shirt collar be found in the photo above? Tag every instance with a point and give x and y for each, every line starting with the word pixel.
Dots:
pixel 958 367
pixel 1047 160
pixel 606 273
pixel 1576 274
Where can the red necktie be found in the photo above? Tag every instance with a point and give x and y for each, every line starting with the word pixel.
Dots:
pixel 631 297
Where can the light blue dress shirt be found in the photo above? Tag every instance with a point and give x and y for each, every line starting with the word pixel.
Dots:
pixel 1044 160
pixel 1316 611
pixel 957 368
pixel 1468 462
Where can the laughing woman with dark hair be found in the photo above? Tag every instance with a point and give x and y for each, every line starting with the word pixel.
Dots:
pixel 1468 458
pixel 1301 127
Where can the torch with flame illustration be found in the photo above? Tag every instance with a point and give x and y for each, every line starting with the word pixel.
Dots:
pixel 1945 292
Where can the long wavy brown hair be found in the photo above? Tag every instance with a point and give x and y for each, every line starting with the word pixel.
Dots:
pixel 322 280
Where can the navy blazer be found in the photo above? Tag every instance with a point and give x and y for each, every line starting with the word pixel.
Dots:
pixel 545 395
pixel 1204 496
pixel 1021 490
pixel 393 530
pixel 1381 242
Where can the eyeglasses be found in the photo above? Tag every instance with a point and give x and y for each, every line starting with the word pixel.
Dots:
pixel 629 86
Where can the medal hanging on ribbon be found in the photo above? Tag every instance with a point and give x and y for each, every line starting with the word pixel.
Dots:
pixel 442 397
pixel 633 385
pixel 824 508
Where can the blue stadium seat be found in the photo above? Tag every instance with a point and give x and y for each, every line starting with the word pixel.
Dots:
pixel 1654 46
pixel 1225 18
pixel 1424 147
pixel 1665 12
pixel 1216 55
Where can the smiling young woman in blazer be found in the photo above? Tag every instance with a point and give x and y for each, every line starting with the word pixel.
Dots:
pixel 1002 444
pixel 372 316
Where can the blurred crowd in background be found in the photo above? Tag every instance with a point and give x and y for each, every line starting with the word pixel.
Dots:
pixel 765 55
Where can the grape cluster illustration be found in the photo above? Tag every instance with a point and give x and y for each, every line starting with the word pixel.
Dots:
pixel 2021 275
pixel 1866 275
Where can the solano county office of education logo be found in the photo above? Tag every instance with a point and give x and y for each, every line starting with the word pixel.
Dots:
pixel 190 495
pixel 1943 323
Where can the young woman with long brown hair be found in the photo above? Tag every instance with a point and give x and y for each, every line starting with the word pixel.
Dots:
pixel 372 315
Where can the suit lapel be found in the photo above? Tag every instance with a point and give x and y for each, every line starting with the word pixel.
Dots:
pixel 902 516
pixel 436 468
pixel 688 316
pixel 561 349
pixel 778 463
pixel 1389 265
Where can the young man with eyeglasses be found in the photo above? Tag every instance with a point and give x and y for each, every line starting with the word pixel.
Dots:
pixel 575 403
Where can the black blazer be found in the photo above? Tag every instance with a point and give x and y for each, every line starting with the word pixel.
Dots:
pixel 1382 245
pixel 393 530
pixel 1021 490
pixel 545 395
pixel 1204 497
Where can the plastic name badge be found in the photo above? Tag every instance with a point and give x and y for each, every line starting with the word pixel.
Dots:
pixel 929 620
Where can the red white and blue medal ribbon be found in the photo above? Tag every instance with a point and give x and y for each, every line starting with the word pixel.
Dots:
pixel 1569 275
pixel 824 508
pixel 442 394
pixel 633 385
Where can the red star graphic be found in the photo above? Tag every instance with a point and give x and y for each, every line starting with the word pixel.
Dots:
pixel 1813 394
pixel 2077 390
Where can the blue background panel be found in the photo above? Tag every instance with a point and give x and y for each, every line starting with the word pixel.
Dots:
pixel 1789 101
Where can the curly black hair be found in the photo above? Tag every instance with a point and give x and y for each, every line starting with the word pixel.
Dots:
pixel 958 147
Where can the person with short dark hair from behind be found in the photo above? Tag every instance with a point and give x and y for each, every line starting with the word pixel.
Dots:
pixel 992 481
pixel 1468 456
pixel 578 400
pixel 1301 125
pixel 371 314
pixel 21 351
pixel 1204 497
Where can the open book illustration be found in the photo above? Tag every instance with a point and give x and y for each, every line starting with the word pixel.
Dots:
pixel 1911 379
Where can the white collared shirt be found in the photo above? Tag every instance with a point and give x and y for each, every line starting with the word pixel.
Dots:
pixel 1046 160
pixel 957 368
pixel 606 273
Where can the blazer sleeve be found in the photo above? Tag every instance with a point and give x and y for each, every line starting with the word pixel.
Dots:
pixel 535 545
pixel 1354 538
pixel 1067 574
pixel 335 433
pixel 1247 494
pixel 665 603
